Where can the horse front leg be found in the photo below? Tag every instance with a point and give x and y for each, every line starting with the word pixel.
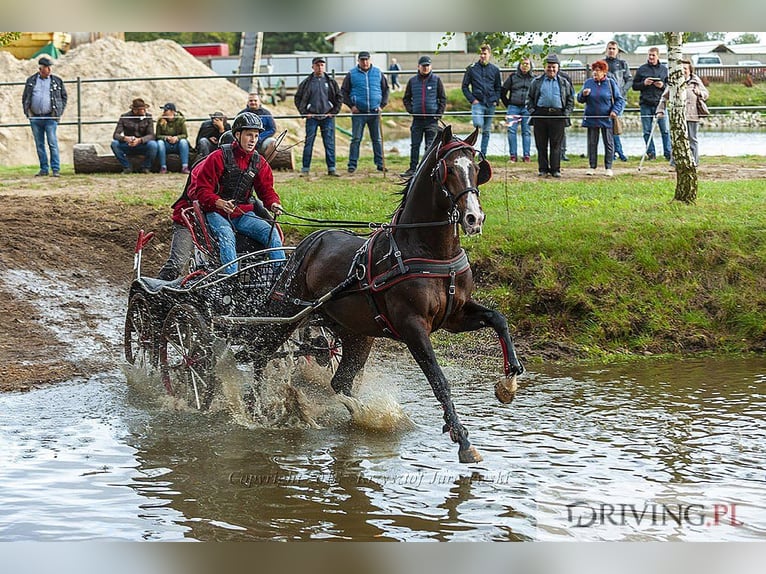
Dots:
pixel 420 346
pixel 474 316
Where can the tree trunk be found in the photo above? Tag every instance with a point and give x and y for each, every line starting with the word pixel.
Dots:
pixel 686 171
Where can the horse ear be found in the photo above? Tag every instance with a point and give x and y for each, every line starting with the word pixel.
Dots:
pixel 447 134
pixel 471 139
pixel 484 173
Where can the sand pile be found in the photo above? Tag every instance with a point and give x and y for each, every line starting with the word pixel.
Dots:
pixel 105 101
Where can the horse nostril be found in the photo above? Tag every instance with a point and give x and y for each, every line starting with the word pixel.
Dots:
pixel 470 220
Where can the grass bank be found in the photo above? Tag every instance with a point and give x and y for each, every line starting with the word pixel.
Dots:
pixel 599 267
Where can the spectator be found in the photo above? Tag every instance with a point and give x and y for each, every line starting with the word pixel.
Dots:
pixel 43 101
pixel 134 135
pixel 603 102
pixel 620 71
pixel 424 98
pixel 365 92
pixel 224 183
pixel 695 90
pixel 266 141
pixel 394 67
pixel 210 132
pixel 550 101
pixel 514 95
pixel 650 80
pixel 172 137
pixel 318 99
pixel 481 87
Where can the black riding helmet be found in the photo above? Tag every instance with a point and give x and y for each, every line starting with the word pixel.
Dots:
pixel 246 121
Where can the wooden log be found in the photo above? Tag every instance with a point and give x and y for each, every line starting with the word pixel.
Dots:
pixel 283 160
pixel 94 158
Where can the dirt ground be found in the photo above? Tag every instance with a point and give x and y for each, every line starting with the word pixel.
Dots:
pixel 56 225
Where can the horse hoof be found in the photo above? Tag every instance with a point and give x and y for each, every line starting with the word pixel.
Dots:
pixel 505 389
pixel 469 454
pixel 353 405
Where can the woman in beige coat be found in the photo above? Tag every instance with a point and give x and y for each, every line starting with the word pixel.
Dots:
pixel 695 90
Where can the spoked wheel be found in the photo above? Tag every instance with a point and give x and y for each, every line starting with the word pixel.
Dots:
pixel 140 333
pixel 187 362
pixel 321 345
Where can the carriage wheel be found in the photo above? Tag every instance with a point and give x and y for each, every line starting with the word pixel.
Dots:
pixel 321 344
pixel 140 333
pixel 187 362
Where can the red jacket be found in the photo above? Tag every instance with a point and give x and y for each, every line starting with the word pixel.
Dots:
pixel 206 175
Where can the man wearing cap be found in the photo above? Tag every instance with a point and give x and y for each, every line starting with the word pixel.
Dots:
pixel 209 134
pixel 425 99
pixel 365 92
pixel 172 137
pixel 44 100
pixel 134 135
pixel 481 87
pixel 318 99
pixel 550 101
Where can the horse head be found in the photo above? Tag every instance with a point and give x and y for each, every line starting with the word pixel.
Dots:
pixel 458 175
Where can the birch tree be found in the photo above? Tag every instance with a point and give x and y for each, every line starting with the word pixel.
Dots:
pixel 686 171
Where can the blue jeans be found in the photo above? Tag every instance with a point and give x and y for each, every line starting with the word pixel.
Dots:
pixel 181 147
pixel 428 127
pixel 327 125
pixel 122 150
pixel 42 129
pixel 481 116
pixel 249 224
pixel 647 115
pixel 372 121
pixel 526 131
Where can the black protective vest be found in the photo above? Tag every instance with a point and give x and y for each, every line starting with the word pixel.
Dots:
pixel 235 183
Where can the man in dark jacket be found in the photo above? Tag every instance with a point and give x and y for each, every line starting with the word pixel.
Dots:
pixel 550 101
pixel 44 100
pixel 481 87
pixel 318 99
pixel 650 80
pixel 514 95
pixel 134 135
pixel 424 98
pixel 209 134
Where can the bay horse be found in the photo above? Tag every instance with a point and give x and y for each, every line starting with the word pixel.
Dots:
pixel 406 281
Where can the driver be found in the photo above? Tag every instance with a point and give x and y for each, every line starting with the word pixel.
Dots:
pixel 224 182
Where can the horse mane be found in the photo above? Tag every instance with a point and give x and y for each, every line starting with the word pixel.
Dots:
pixel 408 182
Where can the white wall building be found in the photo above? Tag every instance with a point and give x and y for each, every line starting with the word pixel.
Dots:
pixel 393 42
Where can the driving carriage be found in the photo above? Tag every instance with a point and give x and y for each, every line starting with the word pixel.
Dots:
pixel 182 327
pixel 408 279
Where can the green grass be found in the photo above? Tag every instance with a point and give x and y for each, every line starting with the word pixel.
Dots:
pixel 610 268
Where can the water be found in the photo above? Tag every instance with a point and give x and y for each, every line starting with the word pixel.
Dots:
pixel 711 143
pixel 107 458
pixel 582 453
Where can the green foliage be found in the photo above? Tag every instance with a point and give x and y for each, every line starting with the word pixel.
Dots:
pixel 289 42
pixel 746 38
pixel 230 38
pixel 8 37
pixel 273 42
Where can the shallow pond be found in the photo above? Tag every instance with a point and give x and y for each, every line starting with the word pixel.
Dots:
pixel 654 451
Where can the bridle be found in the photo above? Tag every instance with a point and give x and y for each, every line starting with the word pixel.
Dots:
pixel 441 170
